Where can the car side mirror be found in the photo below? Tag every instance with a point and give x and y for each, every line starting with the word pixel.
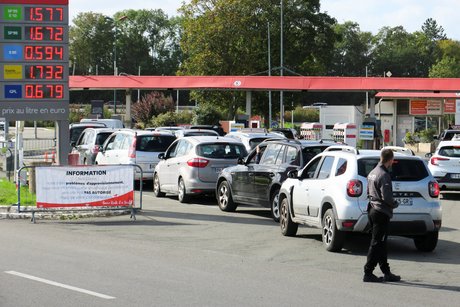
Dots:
pixel 293 174
pixel 428 155
pixel 240 161
pixel 162 156
pixel 435 137
pixel 72 144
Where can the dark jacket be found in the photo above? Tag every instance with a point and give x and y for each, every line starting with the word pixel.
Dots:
pixel 380 190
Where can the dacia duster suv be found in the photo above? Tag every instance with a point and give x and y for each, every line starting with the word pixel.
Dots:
pixel 330 193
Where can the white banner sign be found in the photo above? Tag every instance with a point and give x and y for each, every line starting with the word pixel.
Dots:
pixel 87 186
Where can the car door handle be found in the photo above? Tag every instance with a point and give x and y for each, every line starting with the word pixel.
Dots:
pixel 271 174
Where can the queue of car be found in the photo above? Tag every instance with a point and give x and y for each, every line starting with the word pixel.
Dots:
pixel 315 183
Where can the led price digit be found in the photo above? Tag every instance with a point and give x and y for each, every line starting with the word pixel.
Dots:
pixel 43 52
pixel 44 13
pixel 47 72
pixel 39 33
pixel 44 91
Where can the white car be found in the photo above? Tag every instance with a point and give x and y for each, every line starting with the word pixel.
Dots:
pixel 252 139
pixel 139 147
pixel 330 193
pixel 444 164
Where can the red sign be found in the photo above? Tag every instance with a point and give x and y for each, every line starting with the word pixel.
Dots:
pixel 449 106
pixel 418 107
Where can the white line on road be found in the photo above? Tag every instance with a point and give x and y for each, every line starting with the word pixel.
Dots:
pixel 53 283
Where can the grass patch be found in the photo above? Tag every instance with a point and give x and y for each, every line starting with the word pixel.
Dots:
pixel 9 195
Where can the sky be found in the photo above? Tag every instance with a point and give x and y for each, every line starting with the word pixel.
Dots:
pixel 371 15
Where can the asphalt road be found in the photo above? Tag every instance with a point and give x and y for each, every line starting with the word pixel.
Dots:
pixel 195 255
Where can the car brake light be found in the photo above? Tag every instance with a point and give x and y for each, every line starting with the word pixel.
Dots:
pixel 198 162
pixel 433 188
pixel 354 188
pixel 434 160
pixel 132 149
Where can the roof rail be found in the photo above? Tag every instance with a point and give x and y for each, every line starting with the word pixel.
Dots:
pixel 253 130
pixel 345 148
pixel 282 139
pixel 401 150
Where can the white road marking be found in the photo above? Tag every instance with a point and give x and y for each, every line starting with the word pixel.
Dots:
pixel 53 283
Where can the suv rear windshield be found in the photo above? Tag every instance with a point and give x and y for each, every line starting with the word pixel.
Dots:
pixel 450 151
pixel 154 143
pixel 401 170
pixel 256 141
pixel 221 151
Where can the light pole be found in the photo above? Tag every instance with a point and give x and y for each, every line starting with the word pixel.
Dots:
pixel 115 68
pixel 281 67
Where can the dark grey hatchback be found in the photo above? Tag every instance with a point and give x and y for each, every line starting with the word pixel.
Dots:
pixel 257 179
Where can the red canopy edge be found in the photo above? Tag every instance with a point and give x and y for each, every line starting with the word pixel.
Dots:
pixel 261 83
pixel 408 95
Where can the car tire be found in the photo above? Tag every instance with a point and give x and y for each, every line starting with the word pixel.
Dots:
pixel 156 187
pixel 275 205
pixel 224 198
pixel 428 242
pixel 288 227
pixel 182 192
pixel 333 238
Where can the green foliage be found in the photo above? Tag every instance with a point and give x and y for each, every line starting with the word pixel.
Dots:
pixel 171 119
pixel 9 195
pixel 77 112
pixel 410 139
pixel 206 114
pixel 150 105
pixel 302 115
pixel 426 136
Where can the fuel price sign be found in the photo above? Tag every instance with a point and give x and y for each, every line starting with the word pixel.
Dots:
pixel 34 59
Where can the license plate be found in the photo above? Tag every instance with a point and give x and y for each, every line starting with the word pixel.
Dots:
pixel 455 176
pixel 404 201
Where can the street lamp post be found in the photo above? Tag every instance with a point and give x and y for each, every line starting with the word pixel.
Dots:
pixel 115 67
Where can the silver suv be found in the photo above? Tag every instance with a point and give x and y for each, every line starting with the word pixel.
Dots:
pixel 330 193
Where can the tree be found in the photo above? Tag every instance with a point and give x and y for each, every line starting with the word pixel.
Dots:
pixel 205 114
pixel 432 30
pixel 351 50
pixel 151 105
pixel 229 37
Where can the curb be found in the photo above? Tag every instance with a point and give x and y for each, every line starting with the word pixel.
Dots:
pixel 11 212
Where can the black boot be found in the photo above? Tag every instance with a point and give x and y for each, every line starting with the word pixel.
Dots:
pixel 391 277
pixel 369 277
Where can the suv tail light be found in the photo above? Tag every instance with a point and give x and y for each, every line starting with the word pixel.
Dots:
pixel 433 188
pixel 354 188
pixel 132 148
pixel 434 160
pixel 198 162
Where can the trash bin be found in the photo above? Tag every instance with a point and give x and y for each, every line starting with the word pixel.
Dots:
pixel 32 184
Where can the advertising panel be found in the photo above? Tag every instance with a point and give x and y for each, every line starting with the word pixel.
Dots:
pixel 85 186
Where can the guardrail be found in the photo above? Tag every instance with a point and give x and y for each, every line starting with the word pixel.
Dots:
pixel 132 207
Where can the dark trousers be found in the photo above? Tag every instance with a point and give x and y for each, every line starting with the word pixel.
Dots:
pixel 377 253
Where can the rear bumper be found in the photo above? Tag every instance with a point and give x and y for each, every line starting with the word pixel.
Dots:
pixel 400 224
pixel 195 186
pixel 447 183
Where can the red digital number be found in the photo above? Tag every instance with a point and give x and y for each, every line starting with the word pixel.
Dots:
pixel 47 72
pixel 37 33
pixel 44 14
pixel 48 53
pixel 44 91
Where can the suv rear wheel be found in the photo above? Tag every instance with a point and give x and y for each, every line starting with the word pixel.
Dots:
pixel 182 194
pixel 224 197
pixel 332 237
pixel 288 227
pixel 428 242
pixel 275 205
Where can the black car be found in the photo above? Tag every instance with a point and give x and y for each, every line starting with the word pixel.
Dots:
pixel 257 179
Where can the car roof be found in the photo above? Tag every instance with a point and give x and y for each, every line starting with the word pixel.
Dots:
pixel 448 143
pixel 256 134
pixel 212 139
pixel 143 132
pixel 102 130
pixel 88 124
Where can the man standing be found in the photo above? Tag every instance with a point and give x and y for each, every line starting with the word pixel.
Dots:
pixel 380 211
